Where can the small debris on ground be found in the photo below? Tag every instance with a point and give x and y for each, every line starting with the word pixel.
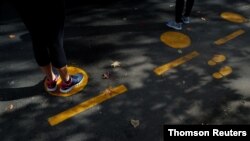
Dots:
pixel 180 51
pixel 116 64
pixel 12 36
pixel 135 123
pixel 203 18
pixel 106 75
pixel 108 91
pixel 10 107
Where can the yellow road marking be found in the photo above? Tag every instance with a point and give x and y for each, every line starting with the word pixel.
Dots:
pixel 72 71
pixel 229 37
pixel 218 58
pixel 233 17
pixel 175 39
pixel 107 94
pixel 223 72
pixel 164 68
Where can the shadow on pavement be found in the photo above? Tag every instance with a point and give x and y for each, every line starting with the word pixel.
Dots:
pixel 9 94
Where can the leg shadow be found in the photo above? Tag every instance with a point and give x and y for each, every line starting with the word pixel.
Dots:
pixel 8 94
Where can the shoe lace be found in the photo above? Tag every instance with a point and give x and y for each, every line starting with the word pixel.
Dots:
pixel 65 84
pixel 51 83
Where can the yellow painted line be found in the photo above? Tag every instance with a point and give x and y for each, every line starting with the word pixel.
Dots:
pixel 107 94
pixel 164 68
pixel 229 37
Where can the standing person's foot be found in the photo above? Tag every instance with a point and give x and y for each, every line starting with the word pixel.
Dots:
pixel 73 82
pixel 186 20
pixel 51 85
pixel 174 25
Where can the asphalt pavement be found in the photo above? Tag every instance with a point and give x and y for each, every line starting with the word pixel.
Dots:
pixel 99 33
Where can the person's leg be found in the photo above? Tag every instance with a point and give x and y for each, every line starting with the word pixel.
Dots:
pixel 63 71
pixel 39 47
pixel 46 30
pixel 189 7
pixel 58 56
pixel 57 53
pixel 33 22
pixel 55 14
pixel 179 7
pixel 48 71
pixel 177 23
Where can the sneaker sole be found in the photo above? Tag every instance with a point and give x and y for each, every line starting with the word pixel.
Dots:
pixel 51 90
pixel 186 22
pixel 174 27
pixel 68 90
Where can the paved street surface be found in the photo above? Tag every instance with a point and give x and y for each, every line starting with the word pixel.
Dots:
pixel 98 33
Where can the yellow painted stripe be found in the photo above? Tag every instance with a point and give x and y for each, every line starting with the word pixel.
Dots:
pixel 164 68
pixel 109 93
pixel 229 37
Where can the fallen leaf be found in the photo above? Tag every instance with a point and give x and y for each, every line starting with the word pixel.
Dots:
pixel 180 51
pixel 108 91
pixel 135 123
pixel 204 19
pixel 171 5
pixel 12 36
pixel 116 64
pixel 106 75
pixel 10 107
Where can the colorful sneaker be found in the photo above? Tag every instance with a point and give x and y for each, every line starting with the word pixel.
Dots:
pixel 74 81
pixel 174 25
pixel 51 86
pixel 186 20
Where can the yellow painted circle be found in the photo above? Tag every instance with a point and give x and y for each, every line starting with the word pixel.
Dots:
pixel 175 39
pixel 72 71
pixel 233 17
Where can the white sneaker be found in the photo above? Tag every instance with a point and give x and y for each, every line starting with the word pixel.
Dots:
pixel 186 20
pixel 174 25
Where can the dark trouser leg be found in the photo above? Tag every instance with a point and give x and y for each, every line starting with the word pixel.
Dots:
pixel 46 30
pixel 56 50
pixel 189 6
pixel 56 17
pixel 36 32
pixel 179 7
